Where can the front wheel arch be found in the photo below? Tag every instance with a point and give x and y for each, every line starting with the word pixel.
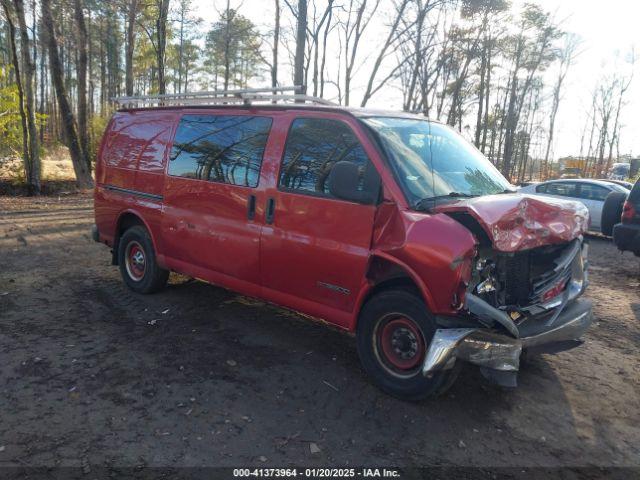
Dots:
pixel 386 273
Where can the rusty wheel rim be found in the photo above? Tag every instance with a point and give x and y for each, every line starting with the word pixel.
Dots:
pixel 400 345
pixel 135 261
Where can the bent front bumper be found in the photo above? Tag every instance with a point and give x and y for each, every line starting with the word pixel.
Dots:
pixel 499 354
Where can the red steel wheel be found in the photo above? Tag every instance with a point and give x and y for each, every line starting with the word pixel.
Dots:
pixel 136 261
pixel 401 344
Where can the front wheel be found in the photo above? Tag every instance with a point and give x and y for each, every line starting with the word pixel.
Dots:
pixel 393 336
pixel 137 261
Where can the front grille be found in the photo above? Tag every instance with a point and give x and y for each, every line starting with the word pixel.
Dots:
pixel 528 276
pixel 560 275
pixel 516 279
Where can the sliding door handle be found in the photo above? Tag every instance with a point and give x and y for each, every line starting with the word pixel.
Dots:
pixel 271 210
pixel 251 207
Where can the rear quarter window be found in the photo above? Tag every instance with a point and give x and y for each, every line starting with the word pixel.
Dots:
pixel 589 191
pixel 138 140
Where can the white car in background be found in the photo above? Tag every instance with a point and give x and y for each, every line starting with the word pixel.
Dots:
pixel 592 193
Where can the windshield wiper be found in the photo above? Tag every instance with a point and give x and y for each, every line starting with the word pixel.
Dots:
pixel 431 202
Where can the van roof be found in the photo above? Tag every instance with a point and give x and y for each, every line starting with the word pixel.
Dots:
pixel 248 99
pixel 354 111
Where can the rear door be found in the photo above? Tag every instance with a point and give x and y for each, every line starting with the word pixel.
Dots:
pixel 593 196
pixel 209 226
pixel 315 248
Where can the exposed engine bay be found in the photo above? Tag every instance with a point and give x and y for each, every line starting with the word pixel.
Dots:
pixel 522 282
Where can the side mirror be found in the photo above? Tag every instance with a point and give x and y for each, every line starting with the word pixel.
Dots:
pixel 345 181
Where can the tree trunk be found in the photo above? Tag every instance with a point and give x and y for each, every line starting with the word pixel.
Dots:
pixel 301 37
pixel 161 43
pixel 23 115
pixel 481 92
pixel 487 96
pixel 33 179
pixel 323 62
pixel 227 47
pixel 130 45
pixel 81 68
pixel 83 176
pixel 276 42
pixel 103 69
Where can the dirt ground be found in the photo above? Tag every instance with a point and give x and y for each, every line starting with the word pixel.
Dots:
pixel 94 375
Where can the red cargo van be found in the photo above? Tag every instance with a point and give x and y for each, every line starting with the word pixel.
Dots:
pixel 384 224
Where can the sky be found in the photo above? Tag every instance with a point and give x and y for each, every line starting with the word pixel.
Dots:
pixel 607 30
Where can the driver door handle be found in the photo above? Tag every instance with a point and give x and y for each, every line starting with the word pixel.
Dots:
pixel 271 210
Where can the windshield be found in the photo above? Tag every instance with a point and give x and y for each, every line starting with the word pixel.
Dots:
pixel 433 161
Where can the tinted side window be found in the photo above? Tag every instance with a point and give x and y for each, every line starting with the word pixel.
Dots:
pixel 313 146
pixel 218 148
pixel 589 191
pixel 138 140
pixel 542 188
pixel 561 188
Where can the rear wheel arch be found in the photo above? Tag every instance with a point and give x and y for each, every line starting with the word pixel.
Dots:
pixel 137 261
pixel 126 220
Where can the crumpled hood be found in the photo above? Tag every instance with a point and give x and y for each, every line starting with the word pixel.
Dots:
pixel 516 222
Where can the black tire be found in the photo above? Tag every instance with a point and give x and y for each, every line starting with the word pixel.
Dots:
pixel 143 275
pixel 384 315
pixel 611 212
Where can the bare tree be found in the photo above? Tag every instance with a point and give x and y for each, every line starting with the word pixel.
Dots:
pixel 567 57
pixel 394 35
pixel 623 86
pixel 354 29
pixel 315 43
pixel 301 37
pixel 276 44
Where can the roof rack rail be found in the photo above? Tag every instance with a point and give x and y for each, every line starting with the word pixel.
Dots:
pixel 247 96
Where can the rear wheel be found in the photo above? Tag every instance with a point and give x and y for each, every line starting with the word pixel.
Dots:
pixel 393 336
pixel 612 212
pixel 137 261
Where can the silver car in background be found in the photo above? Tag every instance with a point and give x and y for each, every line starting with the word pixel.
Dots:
pixel 592 193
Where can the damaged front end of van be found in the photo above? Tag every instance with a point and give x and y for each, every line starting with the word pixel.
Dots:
pixel 501 273
pixel 524 291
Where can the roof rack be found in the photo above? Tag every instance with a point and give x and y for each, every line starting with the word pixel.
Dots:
pixel 246 96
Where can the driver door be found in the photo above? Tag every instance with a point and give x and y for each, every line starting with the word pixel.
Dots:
pixel 314 247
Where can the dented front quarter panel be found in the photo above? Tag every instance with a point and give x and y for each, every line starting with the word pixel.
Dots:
pixel 517 222
pixel 432 247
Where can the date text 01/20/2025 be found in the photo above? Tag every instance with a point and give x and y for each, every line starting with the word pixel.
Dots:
pixel 316 472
